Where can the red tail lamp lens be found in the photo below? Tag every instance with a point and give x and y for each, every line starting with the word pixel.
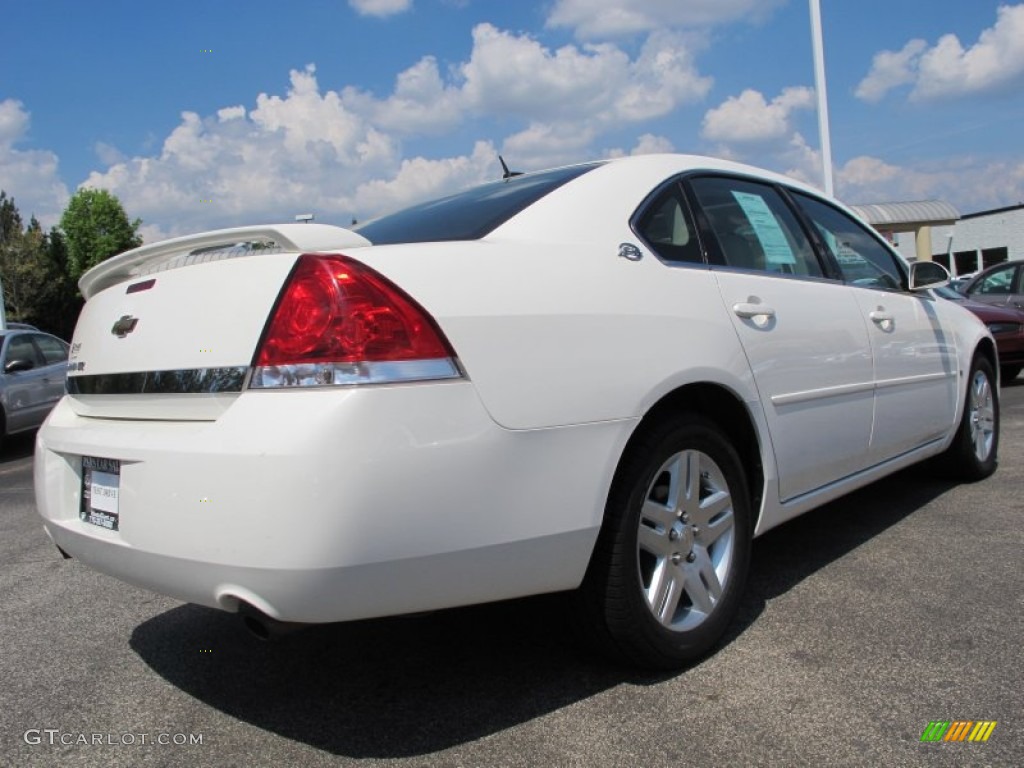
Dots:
pixel 336 310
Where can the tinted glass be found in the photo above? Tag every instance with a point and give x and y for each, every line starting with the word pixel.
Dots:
pixel 862 259
pixel 54 350
pixel 468 215
pixel 21 348
pixel 999 283
pixel 755 228
pixel 665 226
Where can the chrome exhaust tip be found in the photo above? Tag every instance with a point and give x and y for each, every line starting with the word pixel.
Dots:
pixel 267 628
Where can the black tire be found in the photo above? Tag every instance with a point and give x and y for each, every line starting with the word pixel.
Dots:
pixel 973 454
pixel 1010 372
pixel 690 561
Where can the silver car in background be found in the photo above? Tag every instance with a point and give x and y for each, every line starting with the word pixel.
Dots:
pixel 33 366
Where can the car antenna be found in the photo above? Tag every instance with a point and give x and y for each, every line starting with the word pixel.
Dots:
pixel 506 173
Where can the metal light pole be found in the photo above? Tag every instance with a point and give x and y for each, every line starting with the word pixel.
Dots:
pixel 819 88
pixel 3 316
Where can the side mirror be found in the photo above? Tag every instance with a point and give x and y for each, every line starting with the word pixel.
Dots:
pixel 927 274
pixel 19 364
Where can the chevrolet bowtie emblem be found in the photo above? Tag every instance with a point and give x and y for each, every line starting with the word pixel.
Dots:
pixel 124 326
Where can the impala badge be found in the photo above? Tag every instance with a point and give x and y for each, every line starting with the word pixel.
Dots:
pixel 124 326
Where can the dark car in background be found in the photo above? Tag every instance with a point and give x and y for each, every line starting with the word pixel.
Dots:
pixel 1006 323
pixel 33 365
pixel 1001 285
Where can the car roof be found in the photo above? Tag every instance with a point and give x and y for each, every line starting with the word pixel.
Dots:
pixel 583 209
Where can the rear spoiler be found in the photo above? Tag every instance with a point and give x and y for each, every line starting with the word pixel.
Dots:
pixel 159 256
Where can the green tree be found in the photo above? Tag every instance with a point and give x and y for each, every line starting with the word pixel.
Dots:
pixel 10 219
pixel 95 227
pixel 34 272
pixel 64 300
pixel 10 237
pixel 20 266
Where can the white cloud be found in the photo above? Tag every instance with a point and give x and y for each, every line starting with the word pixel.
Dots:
pixel 969 183
pixel 749 118
pixel 380 8
pixel 108 154
pixel 303 151
pixel 890 70
pixel 14 122
pixel 420 179
pixel 28 175
pixel 230 113
pixel 597 19
pixel 865 171
pixel 946 70
pixel 567 97
pixel 545 145
pixel 338 152
pixel 662 78
pixel 649 144
pixel 584 89
pixel 515 75
pixel 868 179
pixel 422 103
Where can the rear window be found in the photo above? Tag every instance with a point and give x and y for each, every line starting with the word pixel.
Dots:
pixel 471 214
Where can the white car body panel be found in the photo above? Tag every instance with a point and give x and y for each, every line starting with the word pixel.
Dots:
pixel 342 503
pixel 204 316
pixel 916 370
pixel 813 367
pixel 578 352
pixel 278 460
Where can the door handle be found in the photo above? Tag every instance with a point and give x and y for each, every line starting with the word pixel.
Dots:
pixel 882 319
pixel 748 311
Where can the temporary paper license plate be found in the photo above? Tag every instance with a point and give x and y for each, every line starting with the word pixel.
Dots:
pixel 101 483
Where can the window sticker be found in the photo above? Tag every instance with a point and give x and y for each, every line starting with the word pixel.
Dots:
pixel 777 251
pixel 843 251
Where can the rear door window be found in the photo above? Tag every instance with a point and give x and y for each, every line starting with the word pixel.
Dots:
pixel 54 350
pixel 754 228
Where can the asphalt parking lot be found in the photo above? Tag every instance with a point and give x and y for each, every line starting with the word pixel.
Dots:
pixel 864 621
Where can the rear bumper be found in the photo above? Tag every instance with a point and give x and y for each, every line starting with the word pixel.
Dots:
pixel 332 505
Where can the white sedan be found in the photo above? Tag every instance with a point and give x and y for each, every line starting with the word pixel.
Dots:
pixel 606 378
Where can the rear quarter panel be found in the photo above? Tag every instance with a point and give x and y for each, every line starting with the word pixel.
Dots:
pixel 560 333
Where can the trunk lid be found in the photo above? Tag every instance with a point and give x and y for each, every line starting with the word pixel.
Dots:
pixel 169 330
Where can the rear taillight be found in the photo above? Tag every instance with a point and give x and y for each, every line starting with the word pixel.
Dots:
pixel 338 322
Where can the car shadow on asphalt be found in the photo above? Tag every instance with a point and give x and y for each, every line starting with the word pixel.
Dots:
pixel 386 688
pixel 412 686
pixel 785 556
pixel 16 447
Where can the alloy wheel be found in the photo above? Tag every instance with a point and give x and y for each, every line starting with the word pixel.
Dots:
pixel 685 540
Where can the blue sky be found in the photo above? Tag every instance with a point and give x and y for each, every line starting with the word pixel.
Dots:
pixel 223 112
